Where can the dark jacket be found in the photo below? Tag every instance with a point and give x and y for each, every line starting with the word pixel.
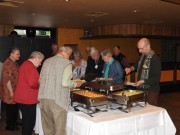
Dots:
pixel 115 72
pixel 91 69
pixel 154 73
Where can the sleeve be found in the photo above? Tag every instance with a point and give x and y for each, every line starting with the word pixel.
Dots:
pixel 67 75
pixel 32 77
pixel 83 68
pixel 7 73
pixel 136 65
pixel 119 72
pixel 155 71
pixel 43 70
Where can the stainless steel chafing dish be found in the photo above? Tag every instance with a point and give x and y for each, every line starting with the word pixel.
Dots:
pixel 88 98
pixel 128 98
pixel 103 86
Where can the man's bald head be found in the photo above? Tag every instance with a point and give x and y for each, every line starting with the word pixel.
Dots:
pixel 144 41
pixel 144 46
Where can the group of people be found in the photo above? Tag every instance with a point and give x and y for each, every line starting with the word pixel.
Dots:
pixel 106 64
pixel 23 87
pixel 19 90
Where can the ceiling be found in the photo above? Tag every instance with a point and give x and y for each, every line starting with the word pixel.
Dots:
pixel 90 13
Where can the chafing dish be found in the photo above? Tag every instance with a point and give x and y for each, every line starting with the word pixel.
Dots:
pixel 103 86
pixel 128 98
pixel 88 98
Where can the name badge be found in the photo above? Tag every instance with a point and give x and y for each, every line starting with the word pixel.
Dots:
pixel 96 66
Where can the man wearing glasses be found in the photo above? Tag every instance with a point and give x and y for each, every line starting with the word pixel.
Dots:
pixel 148 69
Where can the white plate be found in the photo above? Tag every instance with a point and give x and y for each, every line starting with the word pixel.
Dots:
pixel 130 83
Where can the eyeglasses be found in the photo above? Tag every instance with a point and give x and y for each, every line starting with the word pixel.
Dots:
pixel 141 48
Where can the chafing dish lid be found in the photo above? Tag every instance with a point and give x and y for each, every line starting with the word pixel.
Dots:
pixel 128 93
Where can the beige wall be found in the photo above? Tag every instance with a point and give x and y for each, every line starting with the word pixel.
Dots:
pixel 128 45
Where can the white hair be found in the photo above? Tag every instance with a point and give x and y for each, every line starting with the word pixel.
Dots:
pixel 65 49
pixel 93 50
pixel 36 54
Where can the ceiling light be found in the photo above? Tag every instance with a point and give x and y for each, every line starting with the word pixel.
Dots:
pixel 135 11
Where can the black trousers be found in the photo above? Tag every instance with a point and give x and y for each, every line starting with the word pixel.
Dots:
pixel 28 118
pixel 11 114
pixel 153 98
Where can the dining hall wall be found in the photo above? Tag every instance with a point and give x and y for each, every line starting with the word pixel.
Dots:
pixel 128 45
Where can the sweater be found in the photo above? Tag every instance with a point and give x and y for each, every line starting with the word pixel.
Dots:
pixel 55 80
pixel 27 86
pixel 115 72
pixel 154 74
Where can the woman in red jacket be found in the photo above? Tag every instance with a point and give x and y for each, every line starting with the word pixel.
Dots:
pixel 26 91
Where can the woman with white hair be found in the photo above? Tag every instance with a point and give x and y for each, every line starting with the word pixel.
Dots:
pixel 112 69
pixel 26 91
pixel 79 65
pixel 95 65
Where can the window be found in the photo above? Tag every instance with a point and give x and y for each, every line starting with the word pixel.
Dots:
pixel 20 32
pixel 43 33
pixel 36 32
pixel 39 33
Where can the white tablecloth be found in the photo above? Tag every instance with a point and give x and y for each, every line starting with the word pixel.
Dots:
pixel 38 125
pixel 149 120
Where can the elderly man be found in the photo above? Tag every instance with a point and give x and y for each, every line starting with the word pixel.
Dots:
pixel 148 69
pixel 112 69
pixel 95 65
pixel 54 95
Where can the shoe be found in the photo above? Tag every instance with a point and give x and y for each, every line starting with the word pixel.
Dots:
pixel 12 128
pixel 18 124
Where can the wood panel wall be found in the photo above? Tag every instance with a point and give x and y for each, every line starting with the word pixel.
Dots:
pixel 136 29
pixel 167 76
pixel 128 45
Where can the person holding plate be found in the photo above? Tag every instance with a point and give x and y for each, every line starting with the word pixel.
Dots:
pixel 148 69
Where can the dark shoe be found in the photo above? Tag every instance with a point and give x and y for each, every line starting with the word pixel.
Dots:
pixel 14 128
pixel 18 124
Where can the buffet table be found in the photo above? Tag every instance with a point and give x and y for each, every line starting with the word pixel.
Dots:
pixel 149 120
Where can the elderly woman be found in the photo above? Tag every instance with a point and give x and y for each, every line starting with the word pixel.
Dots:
pixel 112 69
pixel 79 65
pixel 26 91
pixel 8 83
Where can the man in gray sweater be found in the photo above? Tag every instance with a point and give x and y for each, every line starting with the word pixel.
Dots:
pixel 54 95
